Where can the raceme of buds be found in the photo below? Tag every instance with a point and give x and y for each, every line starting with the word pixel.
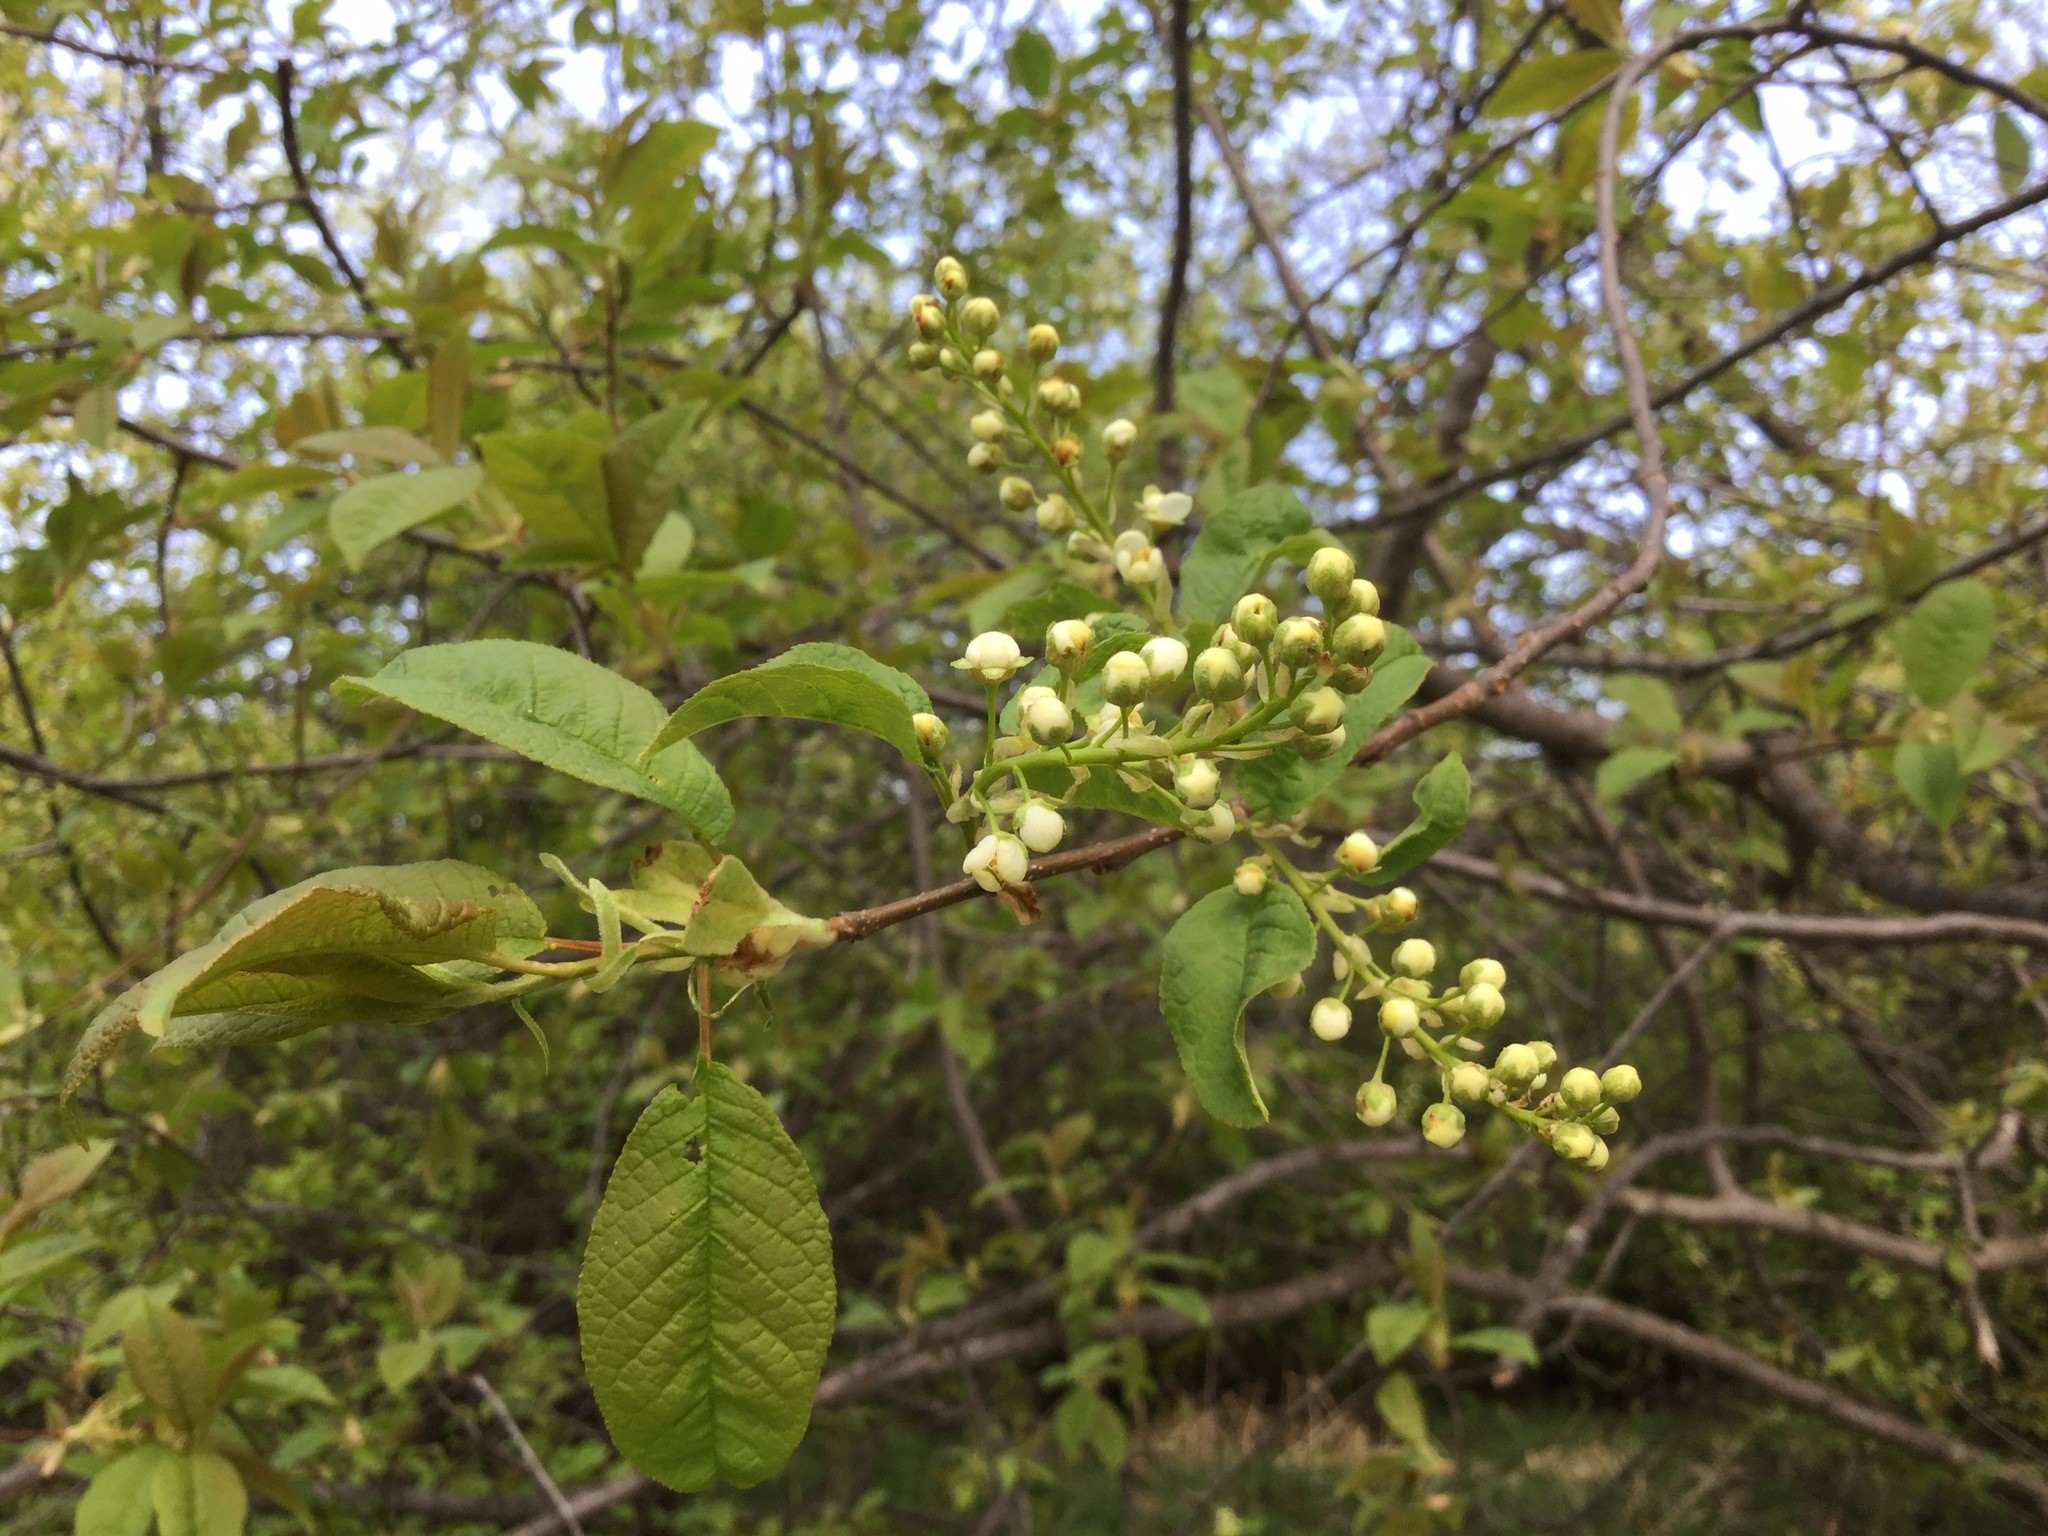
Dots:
pixel 1618 1085
pixel 1215 825
pixel 1067 640
pixel 1219 676
pixel 1040 827
pixel 996 861
pixel 1358 854
pixel 1125 678
pixel 1055 515
pixel 1298 642
pixel 1469 1082
pixel 988 364
pixel 1580 1090
pixel 1415 957
pixel 1042 342
pixel 1318 711
pixel 923 355
pixel 980 317
pixel 1489 972
pixel 932 733
pixel 1016 493
pixel 1375 1102
pixel 985 458
pixel 1516 1065
pixel 1197 783
pixel 1043 717
pixel 1330 574
pixel 951 277
pixel 1400 1017
pixel 1254 619
pixel 1250 878
pixel 992 656
pixel 1118 438
pixel 1443 1125
pixel 1165 660
pixel 1359 640
pixel 1330 1019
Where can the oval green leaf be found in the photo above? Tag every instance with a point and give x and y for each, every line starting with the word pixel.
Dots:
pixel 375 511
pixel 1443 797
pixel 1946 640
pixel 198 1493
pixel 1234 548
pixel 832 683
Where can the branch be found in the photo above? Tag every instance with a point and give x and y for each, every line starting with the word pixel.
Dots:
pixel 1175 36
pixel 155 61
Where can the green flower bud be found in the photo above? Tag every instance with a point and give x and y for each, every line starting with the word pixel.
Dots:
pixel 1218 675
pixel 1286 987
pixel 1330 1019
pixel 1016 493
pixel 932 733
pixel 1409 986
pixel 988 364
pixel 1580 1090
pixel 1491 972
pixel 1042 342
pixel 1067 642
pixel 950 360
pixel 1573 1141
pixel 1197 783
pixel 980 317
pixel 1618 1085
pixel 1606 1119
pixel 1044 718
pixel 1596 1159
pixel 1250 878
pixel 1365 597
pixel 1484 1005
pixel 1298 642
pixel 1330 574
pixel 1227 637
pixel 1415 957
pixel 1516 1065
pixel 1165 659
pixel 1317 711
pixel 1254 619
pixel 1319 745
pixel 1400 1017
pixel 1375 1102
pixel 1443 1125
pixel 1359 640
pixel 1358 854
pixel 1350 680
pixel 1398 907
pixel 1118 438
pixel 985 458
pixel 989 426
pixel 951 277
pixel 928 315
pixel 1218 824
pixel 1126 679
pixel 923 355
pixel 1469 1082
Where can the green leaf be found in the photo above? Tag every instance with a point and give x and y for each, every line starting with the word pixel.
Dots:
pixel 1217 398
pixel 1426 1261
pixel 384 445
pixel 1443 796
pixel 670 548
pixel 819 681
pixel 375 511
pixel 2011 150
pixel 55 1176
pixel 721 908
pixel 25 1263
pixel 400 1365
pixel 198 1493
pixel 1947 639
pixel 1085 1419
pixel 1622 771
pixel 118 1501
pixel 555 481
pixel 1393 1326
pixel 652 164
pixel 1510 1342
pixel 1652 707
pixel 167 1358
pixel 561 711
pixel 1225 950
pixel 644 472
pixel 707 1297
pixel 1286 783
pixel 1982 739
pixel 1545 83
pixel 1930 778
pixel 1031 61
pixel 1401 1406
pixel 1234 548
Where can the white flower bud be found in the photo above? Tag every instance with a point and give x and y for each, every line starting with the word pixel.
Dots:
pixel 988 364
pixel 1320 745
pixel 928 315
pixel 1230 640
pixel 1250 878
pixel 1359 640
pixel 1596 1159
pixel 1415 957
pixel 1358 854
pixel 1443 1125
pixel 980 317
pixel 1219 675
pixel 996 861
pixel 1573 1141
pixel 1197 783
pixel 923 355
pixel 1580 1090
pixel 1286 987
pixel 1491 972
pixel 1400 1017
pixel 1400 906
pixel 1016 493
pixel 1606 1119
pixel 1168 510
pixel 1330 574
pixel 1618 1085
pixel 932 733
pixel 1365 597
pixel 1376 1102
pixel 1215 825
pixel 1483 1004
pixel 1254 619
pixel 993 657
pixel 1067 641
pixel 1165 660
pixel 1298 642
pixel 1118 438
pixel 1055 516
pixel 1125 678
pixel 1044 718
pixel 1469 1082
pixel 1516 1064
pixel 1042 342
pixel 950 276
pixel 1041 827
pixel 1330 1019
pixel 1318 712
pixel 988 426
pixel 985 458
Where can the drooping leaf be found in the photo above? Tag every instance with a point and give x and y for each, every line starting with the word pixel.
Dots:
pixel 1511 1343
pixel 1443 796
pixel 198 1493
pixel 819 681
pixel 448 393
pixel 1946 640
pixel 375 511
pixel 707 1296
pixel 384 445
pixel 1622 771
pixel 1931 779
pixel 1286 783
pixel 1400 1405
pixel 118 1501
pixel 644 470
pixel 1234 548
pixel 55 1176
pixel 561 711
pixel 167 1358
pixel 721 908
pixel 1224 951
